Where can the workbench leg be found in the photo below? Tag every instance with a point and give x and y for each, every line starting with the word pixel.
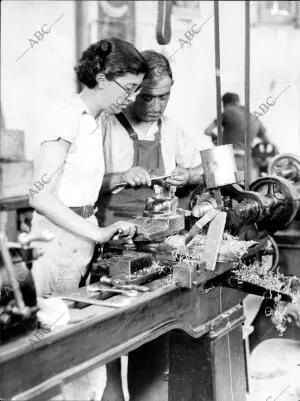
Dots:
pixel 146 371
pixel 210 368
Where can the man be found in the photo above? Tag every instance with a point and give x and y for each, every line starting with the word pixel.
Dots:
pixel 141 143
pixel 233 127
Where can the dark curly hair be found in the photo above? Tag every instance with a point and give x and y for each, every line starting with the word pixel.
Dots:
pixel 113 57
pixel 158 65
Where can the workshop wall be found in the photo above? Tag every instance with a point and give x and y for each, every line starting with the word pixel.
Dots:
pixel 34 82
pixel 275 64
pixel 31 83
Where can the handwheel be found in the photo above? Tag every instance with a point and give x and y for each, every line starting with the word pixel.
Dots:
pixel 285 165
pixel 274 251
pixel 284 205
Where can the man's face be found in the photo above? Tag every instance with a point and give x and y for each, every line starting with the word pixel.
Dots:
pixel 150 104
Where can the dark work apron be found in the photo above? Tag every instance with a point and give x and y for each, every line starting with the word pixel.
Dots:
pixel 130 202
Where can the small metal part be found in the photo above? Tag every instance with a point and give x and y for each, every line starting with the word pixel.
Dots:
pixel 128 263
pixel 184 275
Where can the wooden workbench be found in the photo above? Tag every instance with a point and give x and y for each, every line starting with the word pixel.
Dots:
pixel 206 345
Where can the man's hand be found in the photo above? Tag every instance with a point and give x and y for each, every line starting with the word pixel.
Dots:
pixel 136 176
pixel 180 177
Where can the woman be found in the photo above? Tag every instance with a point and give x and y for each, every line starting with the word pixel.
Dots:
pixel 70 168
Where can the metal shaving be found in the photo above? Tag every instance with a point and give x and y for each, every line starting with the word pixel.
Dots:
pixel 278 314
pixel 156 267
pixel 256 274
pixel 232 248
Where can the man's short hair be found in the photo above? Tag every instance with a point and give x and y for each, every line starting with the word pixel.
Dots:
pixel 230 98
pixel 158 65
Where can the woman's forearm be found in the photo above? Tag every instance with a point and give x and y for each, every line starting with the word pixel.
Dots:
pixel 56 211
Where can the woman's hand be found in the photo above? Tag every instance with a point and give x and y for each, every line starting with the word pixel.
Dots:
pixel 124 229
pixel 136 176
pixel 118 230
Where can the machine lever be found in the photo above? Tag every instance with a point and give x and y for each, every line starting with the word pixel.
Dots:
pixel 197 227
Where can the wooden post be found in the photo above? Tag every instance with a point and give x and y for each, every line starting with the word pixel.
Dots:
pixel 248 163
pixel 218 72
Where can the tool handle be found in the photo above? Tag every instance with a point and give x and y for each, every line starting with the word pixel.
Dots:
pixel 140 288
pixel 161 177
pixel 114 283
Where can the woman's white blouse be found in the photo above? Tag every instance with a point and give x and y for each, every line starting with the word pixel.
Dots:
pixel 81 177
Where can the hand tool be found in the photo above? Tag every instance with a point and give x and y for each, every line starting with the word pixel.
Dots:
pixel 119 304
pixel 128 293
pixel 160 177
pixel 117 284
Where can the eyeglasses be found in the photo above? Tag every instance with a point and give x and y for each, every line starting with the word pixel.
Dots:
pixel 131 92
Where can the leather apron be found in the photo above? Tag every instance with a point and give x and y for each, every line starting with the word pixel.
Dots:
pixel 130 202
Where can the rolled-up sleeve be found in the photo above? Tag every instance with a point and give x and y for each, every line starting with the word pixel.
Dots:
pixel 62 123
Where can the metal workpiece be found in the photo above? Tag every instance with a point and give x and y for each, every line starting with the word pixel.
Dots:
pixel 159 204
pixel 185 274
pixel 204 204
pixel 219 166
pixel 129 263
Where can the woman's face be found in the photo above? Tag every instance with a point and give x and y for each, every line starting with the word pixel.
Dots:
pixel 121 91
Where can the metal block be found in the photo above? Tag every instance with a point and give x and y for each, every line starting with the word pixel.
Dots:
pixel 185 274
pixel 129 263
pixel 176 223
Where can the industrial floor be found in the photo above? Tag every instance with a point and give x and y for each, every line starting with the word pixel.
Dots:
pixel 275 371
